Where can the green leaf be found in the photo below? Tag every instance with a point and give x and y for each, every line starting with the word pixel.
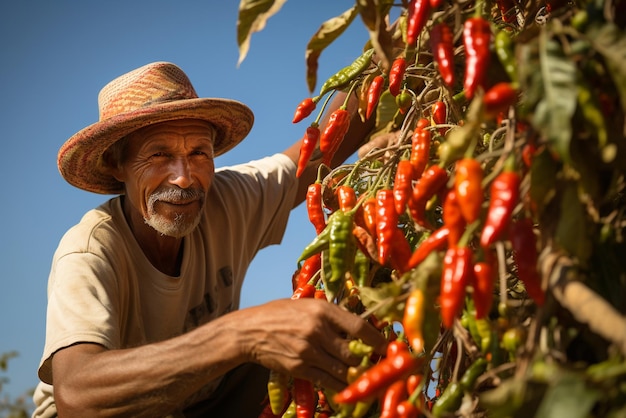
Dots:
pixel 543 174
pixel 383 301
pixel 505 399
pixel 555 110
pixel 572 228
pixel 253 14
pixel 568 397
pixel 374 15
pixel 325 35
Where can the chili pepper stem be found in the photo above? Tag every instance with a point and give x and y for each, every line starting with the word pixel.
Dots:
pixel 321 112
pixel 347 99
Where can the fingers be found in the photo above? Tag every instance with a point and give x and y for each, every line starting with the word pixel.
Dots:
pixel 358 328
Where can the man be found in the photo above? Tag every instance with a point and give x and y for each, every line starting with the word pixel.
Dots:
pixel 143 293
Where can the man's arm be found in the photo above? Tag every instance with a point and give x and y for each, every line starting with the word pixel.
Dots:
pixel 357 132
pixel 303 338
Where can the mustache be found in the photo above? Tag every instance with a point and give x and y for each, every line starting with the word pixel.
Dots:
pixel 175 194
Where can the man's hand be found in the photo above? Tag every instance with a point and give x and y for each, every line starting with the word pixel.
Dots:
pixel 307 338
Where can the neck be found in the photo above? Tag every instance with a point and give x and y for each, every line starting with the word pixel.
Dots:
pixel 163 252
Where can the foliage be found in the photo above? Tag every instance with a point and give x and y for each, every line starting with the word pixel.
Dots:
pixel 12 408
pixel 555 347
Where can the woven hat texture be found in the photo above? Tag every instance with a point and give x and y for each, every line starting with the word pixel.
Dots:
pixel 151 94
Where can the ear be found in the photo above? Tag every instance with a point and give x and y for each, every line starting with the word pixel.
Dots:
pixel 111 166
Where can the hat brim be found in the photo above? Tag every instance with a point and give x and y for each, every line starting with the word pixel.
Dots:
pixel 80 157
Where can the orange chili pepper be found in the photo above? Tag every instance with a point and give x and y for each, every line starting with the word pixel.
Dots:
pixel 314 206
pixel 386 223
pixel 309 141
pixel 452 218
pixel 420 151
pixel 468 186
pixel 347 197
pixel 457 273
pixel 402 185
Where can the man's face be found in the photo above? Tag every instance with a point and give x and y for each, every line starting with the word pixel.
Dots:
pixel 167 171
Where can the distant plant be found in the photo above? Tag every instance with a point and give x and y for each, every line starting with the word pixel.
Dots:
pixel 12 408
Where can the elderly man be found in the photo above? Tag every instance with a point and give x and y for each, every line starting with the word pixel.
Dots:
pixel 143 297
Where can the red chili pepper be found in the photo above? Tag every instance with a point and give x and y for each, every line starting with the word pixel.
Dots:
pixel 418 11
pixel 396 75
pixel 439 115
pixel 434 242
pixel 267 412
pixel 307 290
pixel 314 206
pixel 377 378
pixel 422 123
pixel 442 45
pixel 335 130
pixel 373 94
pixel 420 151
pixel 499 98
pixel 395 393
pixel 436 3
pixel 476 37
pixel 433 180
pixel 413 382
pixel 304 109
pixel 406 409
pixel 402 185
pixel 369 214
pixel 452 218
pixel 347 197
pixel 400 252
pixel 309 141
pixel 386 223
pixel 396 346
pixel 310 266
pixel 468 186
pixel 524 244
pixel 528 153
pixel 304 396
pixel 457 272
pixel 484 279
pixel 504 192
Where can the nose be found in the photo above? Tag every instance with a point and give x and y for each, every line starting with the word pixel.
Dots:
pixel 181 173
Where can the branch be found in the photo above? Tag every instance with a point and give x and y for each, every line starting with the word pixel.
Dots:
pixel 586 306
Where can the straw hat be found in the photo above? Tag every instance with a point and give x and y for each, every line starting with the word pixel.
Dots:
pixel 154 93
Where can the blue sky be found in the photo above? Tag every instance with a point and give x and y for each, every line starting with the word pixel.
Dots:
pixel 57 55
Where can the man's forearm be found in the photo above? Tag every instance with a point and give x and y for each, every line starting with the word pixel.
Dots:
pixel 151 380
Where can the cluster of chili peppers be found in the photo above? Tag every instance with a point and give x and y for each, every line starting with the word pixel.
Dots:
pixel 458 212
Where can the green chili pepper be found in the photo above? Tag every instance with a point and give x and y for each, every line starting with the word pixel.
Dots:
pixel 346 74
pixel 472 373
pixel 359 348
pixel 342 245
pixel 504 49
pixel 449 401
pixel 277 391
pixel 361 268
pixel 320 243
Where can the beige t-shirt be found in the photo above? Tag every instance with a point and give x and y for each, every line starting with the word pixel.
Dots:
pixel 102 289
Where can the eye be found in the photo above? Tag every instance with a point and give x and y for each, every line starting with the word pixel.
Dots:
pixel 202 153
pixel 158 155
